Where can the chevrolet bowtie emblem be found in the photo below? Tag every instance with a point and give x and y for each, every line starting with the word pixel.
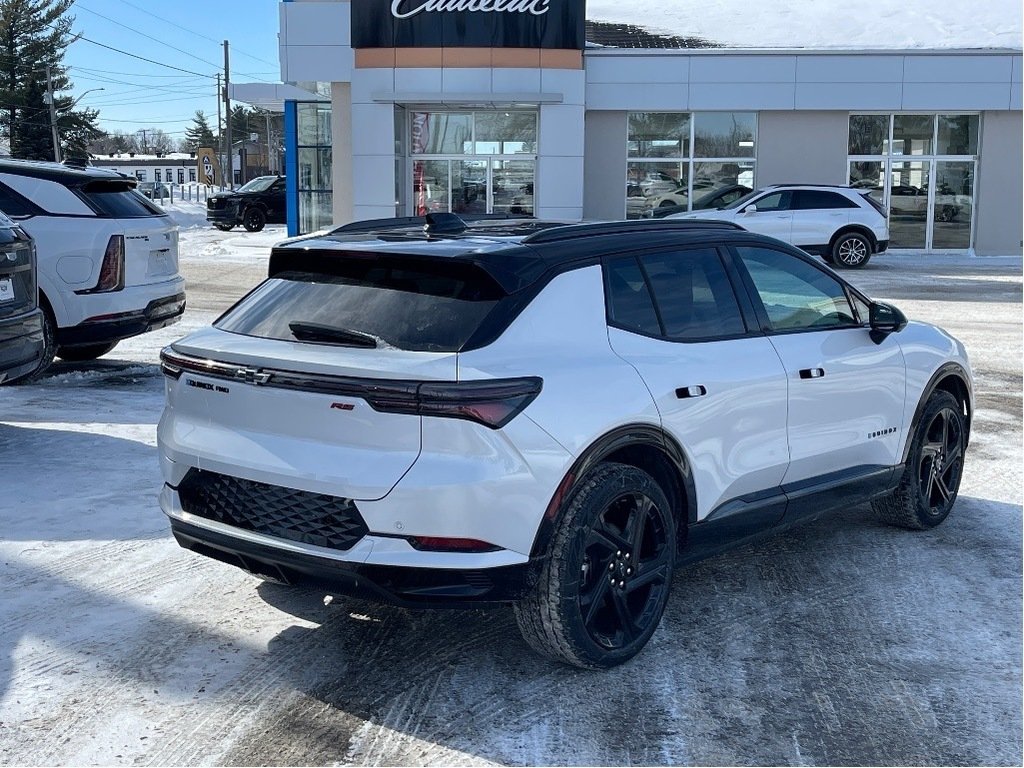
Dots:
pixel 252 376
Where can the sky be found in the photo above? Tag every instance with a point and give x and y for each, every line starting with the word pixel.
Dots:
pixel 139 94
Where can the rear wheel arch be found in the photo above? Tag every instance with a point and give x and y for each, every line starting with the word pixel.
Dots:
pixel 643 446
pixel 854 229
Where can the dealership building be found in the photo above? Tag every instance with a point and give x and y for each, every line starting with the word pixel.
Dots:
pixel 401 107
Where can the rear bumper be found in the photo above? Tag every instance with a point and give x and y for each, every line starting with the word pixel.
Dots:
pixel 109 328
pixel 883 246
pixel 407 586
pixel 21 344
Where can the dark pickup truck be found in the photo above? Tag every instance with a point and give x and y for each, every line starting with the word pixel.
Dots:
pixel 258 203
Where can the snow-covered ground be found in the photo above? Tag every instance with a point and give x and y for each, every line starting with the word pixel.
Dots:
pixel 826 23
pixel 841 642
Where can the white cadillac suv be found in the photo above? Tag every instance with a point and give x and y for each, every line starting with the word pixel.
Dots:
pixel 107 256
pixel 842 225
pixel 547 415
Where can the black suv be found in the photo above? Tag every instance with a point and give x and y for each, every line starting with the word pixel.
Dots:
pixel 21 321
pixel 258 203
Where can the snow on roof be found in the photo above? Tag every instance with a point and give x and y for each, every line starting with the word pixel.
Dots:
pixel 139 156
pixel 856 24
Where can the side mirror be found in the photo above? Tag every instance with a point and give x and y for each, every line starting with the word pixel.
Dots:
pixel 885 319
pixel 750 209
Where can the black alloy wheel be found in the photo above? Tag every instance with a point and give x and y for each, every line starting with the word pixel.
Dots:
pixel 941 461
pixel 606 579
pixel 254 219
pixel 626 570
pixel 934 468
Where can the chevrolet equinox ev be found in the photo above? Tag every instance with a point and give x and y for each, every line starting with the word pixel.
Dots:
pixel 552 416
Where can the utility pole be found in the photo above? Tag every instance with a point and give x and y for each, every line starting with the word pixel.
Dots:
pixel 220 127
pixel 227 117
pixel 53 114
pixel 270 162
pixel 145 148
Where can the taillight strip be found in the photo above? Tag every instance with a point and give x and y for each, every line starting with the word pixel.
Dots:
pixel 468 400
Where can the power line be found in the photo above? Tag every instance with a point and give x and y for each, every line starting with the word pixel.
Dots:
pixel 79 6
pixel 140 58
pixel 127 74
pixel 193 32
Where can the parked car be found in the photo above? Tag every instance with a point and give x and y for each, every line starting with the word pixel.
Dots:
pixel 21 321
pixel 107 256
pixel 657 183
pixel 260 202
pixel 152 190
pixel 845 226
pixel 549 416
pixel 660 206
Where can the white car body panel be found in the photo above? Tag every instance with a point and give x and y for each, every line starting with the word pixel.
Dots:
pixel 71 242
pixel 734 436
pixel 843 419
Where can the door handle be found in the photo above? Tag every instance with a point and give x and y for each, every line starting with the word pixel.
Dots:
pixel 812 373
pixel 695 391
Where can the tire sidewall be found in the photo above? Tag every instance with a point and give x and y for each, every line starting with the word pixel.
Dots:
pixel 937 402
pixel 838 262
pixel 581 513
pixel 259 217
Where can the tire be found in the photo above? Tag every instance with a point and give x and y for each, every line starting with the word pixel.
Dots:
pixel 81 354
pixel 605 583
pixel 828 258
pixel 224 227
pixel 851 251
pixel 933 471
pixel 49 345
pixel 254 219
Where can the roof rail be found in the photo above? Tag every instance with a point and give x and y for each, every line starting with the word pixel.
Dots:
pixel 403 222
pixel 571 231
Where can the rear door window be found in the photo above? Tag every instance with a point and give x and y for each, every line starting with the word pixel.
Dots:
pixel 118 200
pixel 683 295
pixel 374 305
pixel 817 200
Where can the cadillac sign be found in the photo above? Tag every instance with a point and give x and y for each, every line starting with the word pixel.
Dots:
pixel 468 23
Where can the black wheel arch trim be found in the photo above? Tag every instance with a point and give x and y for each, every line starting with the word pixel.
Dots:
pixel 624 437
pixel 945 372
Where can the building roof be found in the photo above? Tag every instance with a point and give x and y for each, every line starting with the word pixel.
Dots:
pixel 605 34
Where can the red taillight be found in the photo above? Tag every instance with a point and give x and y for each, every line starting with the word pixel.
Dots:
pixel 112 270
pixel 445 544
pixel 493 403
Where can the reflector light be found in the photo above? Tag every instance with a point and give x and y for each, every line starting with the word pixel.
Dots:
pixel 445 544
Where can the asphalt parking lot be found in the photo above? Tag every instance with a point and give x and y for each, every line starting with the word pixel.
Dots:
pixel 842 642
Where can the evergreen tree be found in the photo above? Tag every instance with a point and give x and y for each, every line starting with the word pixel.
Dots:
pixel 34 35
pixel 199 134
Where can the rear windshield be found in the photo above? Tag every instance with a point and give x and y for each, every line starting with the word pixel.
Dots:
pixel 407 308
pixel 118 200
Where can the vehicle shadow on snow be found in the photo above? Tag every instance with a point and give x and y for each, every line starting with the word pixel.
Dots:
pixel 843 642
pixel 840 642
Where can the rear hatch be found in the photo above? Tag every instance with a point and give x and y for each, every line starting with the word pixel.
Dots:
pixel 150 238
pixel 319 376
pixel 17 271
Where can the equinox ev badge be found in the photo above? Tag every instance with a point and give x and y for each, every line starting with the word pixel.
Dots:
pixel 252 376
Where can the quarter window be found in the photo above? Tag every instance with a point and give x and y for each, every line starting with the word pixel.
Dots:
pixel 796 295
pixel 629 300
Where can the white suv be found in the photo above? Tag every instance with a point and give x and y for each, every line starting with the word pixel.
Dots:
pixel 107 256
pixel 843 225
pixel 550 416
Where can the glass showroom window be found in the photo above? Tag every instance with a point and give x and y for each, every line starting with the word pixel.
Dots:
pixel 681 161
pixel 316 197
pixel 472 162
pixel 921 167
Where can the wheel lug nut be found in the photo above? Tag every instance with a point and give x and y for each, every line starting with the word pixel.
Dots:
pixel 627 555
pixel 618 553
pixel 629 571
pixel 611 566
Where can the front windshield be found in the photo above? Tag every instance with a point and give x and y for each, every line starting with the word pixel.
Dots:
pixel 258 185
pixel 739 203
